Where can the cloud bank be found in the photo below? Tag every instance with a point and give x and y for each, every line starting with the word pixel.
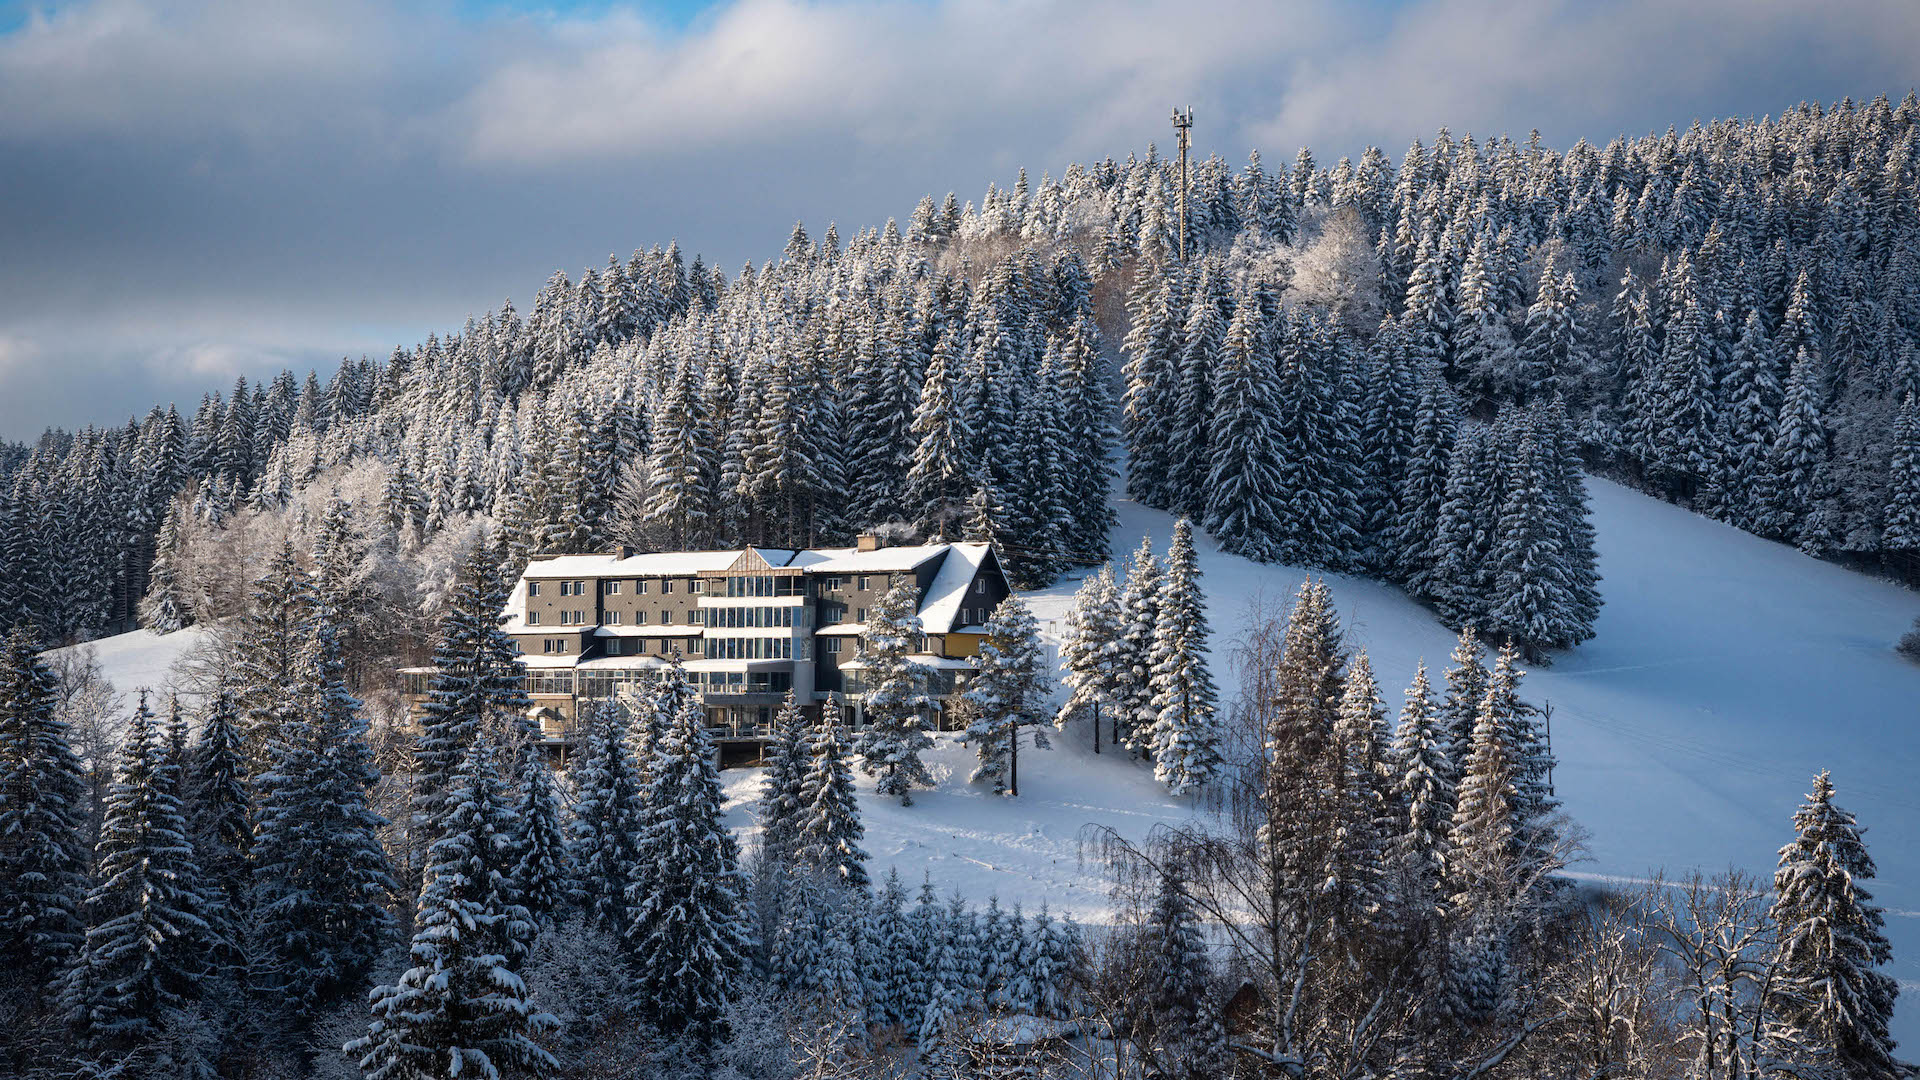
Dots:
pixel 195 191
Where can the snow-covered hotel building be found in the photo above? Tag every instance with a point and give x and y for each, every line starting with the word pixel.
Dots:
pixel 750 624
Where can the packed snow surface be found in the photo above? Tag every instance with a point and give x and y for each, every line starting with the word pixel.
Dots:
pixel 1727 670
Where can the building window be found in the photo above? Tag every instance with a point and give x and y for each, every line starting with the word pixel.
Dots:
pixel 556 644
pixel 533 618
pixel 639 588
pixel 639 618
pixel 666 617
pixel 980 586
pixel 613 618
pixel 861 583
pixel 610 588
pixel 666 586
pixel 833 646
pixel 533 588
pixel 699 585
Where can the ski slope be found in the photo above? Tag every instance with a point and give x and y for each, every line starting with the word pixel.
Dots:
pixel 1725 672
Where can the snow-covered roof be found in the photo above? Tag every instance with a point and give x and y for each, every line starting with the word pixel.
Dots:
pixel 949 588
pixel 543 662
pixel 704 664
pixel 844 629
pixel 617 663
pixel 925 660
pixel 879 561
pixel 650 564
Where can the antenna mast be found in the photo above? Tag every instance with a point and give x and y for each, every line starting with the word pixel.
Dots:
pixel 1183 130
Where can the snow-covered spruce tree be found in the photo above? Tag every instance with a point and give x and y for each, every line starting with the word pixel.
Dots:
pixel 1361 895
pixel 1091 654
pixel 1534 807
pixel 271 643
pixel 144 961
pixel 1466 688
pixel 1011 691
pixel 1185 737
pixel 166 608
pixel 687 932
pixel 43 806
pixel 604 828
pixel 219 812
pixel 477 686
pixel 1298 773
pixel 542 876
pixel 1903 494
pixel 895 963
pixel 1139 615
pixel 894 699
pixel 319 873
pixel 460 1009
pixel 1485 870
pixel 1425 773
pixel 1799 452
pixel 1828 999
pixel 827 830
pixel 1242 489
pixel 940 478
pixel 1186 1039
pixel 788 756
pixel 1530 586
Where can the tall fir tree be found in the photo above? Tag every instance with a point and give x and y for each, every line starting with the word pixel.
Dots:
pixel 143 965
pixel 1009 692
pixel 461 1009
pixel 894 700
pixel 43 807
pixel 827 831
pixel 1092 654
pixel 1828 995
pixel 1185 737
pixel 320 876
pixel 687 932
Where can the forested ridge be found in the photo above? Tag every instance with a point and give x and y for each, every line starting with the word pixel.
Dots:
pixel 1367 367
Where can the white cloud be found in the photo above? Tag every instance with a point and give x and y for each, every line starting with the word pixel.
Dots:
pixel 198 189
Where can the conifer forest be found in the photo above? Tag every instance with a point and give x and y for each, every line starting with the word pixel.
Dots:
pixel 1400 368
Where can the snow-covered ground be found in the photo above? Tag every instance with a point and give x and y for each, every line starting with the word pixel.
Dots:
pixel 1726 671
pixel 142 659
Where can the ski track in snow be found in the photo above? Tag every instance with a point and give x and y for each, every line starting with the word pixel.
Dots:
pixel 1726 671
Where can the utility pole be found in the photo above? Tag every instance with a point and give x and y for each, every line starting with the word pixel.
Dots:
pixel 1183 130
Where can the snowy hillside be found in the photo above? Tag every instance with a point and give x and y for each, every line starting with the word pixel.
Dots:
pixel 1726 671
pixel 142 659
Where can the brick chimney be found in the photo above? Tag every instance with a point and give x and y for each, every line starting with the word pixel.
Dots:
pixel 869 542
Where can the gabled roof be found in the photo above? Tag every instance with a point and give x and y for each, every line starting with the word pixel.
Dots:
pixel 880 561
pixel 653 563
pixel 949 589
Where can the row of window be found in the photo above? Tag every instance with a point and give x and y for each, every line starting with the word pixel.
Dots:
pixel 754 648
pixel 767 585
pixel 752 617
pixel 646 646
pixel 613 588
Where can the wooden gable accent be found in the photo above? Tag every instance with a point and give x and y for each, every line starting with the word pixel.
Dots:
pixel 750 562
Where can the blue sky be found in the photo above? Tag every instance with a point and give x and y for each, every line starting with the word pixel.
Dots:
pixel 199 190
